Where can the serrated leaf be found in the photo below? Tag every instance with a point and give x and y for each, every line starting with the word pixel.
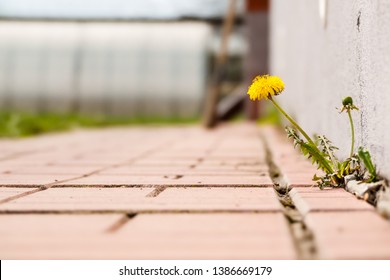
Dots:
pixel 311 152
pixel 366 158
pixel 327 149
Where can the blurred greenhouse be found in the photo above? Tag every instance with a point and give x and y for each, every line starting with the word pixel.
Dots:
pixel 110 57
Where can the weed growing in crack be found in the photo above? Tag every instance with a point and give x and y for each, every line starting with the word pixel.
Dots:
pixel 320 150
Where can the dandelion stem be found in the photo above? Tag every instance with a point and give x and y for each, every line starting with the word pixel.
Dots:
pixel 315 151
pixel 293 122
pixel 352 133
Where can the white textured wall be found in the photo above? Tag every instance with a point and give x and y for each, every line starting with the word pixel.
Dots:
pixel 321 64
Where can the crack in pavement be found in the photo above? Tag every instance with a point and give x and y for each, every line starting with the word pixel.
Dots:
pixel 303 237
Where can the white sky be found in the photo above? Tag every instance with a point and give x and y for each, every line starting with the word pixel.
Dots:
pixel 120 9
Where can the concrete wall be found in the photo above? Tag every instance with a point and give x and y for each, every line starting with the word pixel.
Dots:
pixel 322 59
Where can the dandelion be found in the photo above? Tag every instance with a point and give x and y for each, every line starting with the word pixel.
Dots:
pixel 321 152
pixel 264 87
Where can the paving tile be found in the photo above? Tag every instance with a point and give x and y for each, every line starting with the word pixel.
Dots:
pixel 9 192
pixel 204 236
pixel 233 161
pixel 244 153
pixel 166 162
pixel 351 235
pixel 78 199
pixel 136 199
pixel 236 148
pixel 182 154
pixel 20 162
pixel 45 155
pixel 4 169
pixel 218 180
pixel 218 189
pixel 146 170
pixel 53 170
pixel 218 199
pixel 109 180
pixel 80 163
pixel 84 162
pixel 55 236
pixel 31 179
pixel 313 199
pixel 154 236
pixel 172 171
pixel 255 168
pixel 228 173
pixel 171 180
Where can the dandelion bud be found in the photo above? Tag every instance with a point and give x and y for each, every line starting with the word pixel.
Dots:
pixel 347 101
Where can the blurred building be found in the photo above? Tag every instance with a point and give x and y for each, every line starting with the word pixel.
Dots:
pixel 114 9
pixel 109 56
pixel 114 68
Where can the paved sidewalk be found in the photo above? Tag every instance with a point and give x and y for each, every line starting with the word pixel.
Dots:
pixel 174 193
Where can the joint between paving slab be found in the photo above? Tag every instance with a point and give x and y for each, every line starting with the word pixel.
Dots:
pixel 161 186
pixel 14 197
pixel 37 189
pixel 59 182
pixel 123 163
pixel 156 191
pixel 121 222
pixel 303 237
pixel 141 211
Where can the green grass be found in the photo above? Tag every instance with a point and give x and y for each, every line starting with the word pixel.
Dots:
pixel 19 124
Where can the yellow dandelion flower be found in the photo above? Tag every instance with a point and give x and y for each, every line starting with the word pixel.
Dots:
pixel 264 87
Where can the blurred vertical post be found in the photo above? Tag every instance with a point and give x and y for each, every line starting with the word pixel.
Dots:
pixel 256 63
pixel 209 115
